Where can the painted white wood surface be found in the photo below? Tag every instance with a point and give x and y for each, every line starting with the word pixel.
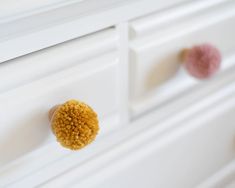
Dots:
pixel 86 167
pixel 154 22
pixel 20 36
pixel 223 178
pixel 24 110
pixel 182 159
pixel 157 72
pixel 197 142
pixel 98 64
pixel 34 66
pixel 13 8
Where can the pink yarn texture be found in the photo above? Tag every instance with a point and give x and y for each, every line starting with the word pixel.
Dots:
pixel 202 61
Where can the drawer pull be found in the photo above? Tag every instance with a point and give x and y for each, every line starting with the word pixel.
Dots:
pixel 202 61
pixel 74 124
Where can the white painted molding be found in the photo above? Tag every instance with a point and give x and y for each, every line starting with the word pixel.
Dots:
pixel 157 21
pixel 49 84
pixel 222 178
pixel 213 14
pixel 57 58
pixel 40 30
pixel 145 106
pixel 12 9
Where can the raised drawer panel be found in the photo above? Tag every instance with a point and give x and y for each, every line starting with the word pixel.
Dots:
pixel 24 111
pixel 157 75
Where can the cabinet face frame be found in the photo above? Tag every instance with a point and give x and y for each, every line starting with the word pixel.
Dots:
pixel 70 30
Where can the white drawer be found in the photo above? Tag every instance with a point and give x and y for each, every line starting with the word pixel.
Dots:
pixel 43 79
pixel 24 111
pixel 157 40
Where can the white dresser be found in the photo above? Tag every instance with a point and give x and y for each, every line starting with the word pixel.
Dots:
pixel 159 126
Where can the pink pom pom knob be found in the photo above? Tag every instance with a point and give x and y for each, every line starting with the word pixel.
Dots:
pixel 202 61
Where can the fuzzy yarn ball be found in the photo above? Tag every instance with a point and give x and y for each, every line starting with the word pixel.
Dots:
pixel 202 61
pixel 75 124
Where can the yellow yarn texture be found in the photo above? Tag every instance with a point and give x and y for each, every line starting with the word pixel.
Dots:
pixel 75 124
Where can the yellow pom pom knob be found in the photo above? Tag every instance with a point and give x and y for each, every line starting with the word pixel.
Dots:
pixel 74 123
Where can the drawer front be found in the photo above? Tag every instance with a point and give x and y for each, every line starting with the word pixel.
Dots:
pixel 24 111
pixel 157 75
